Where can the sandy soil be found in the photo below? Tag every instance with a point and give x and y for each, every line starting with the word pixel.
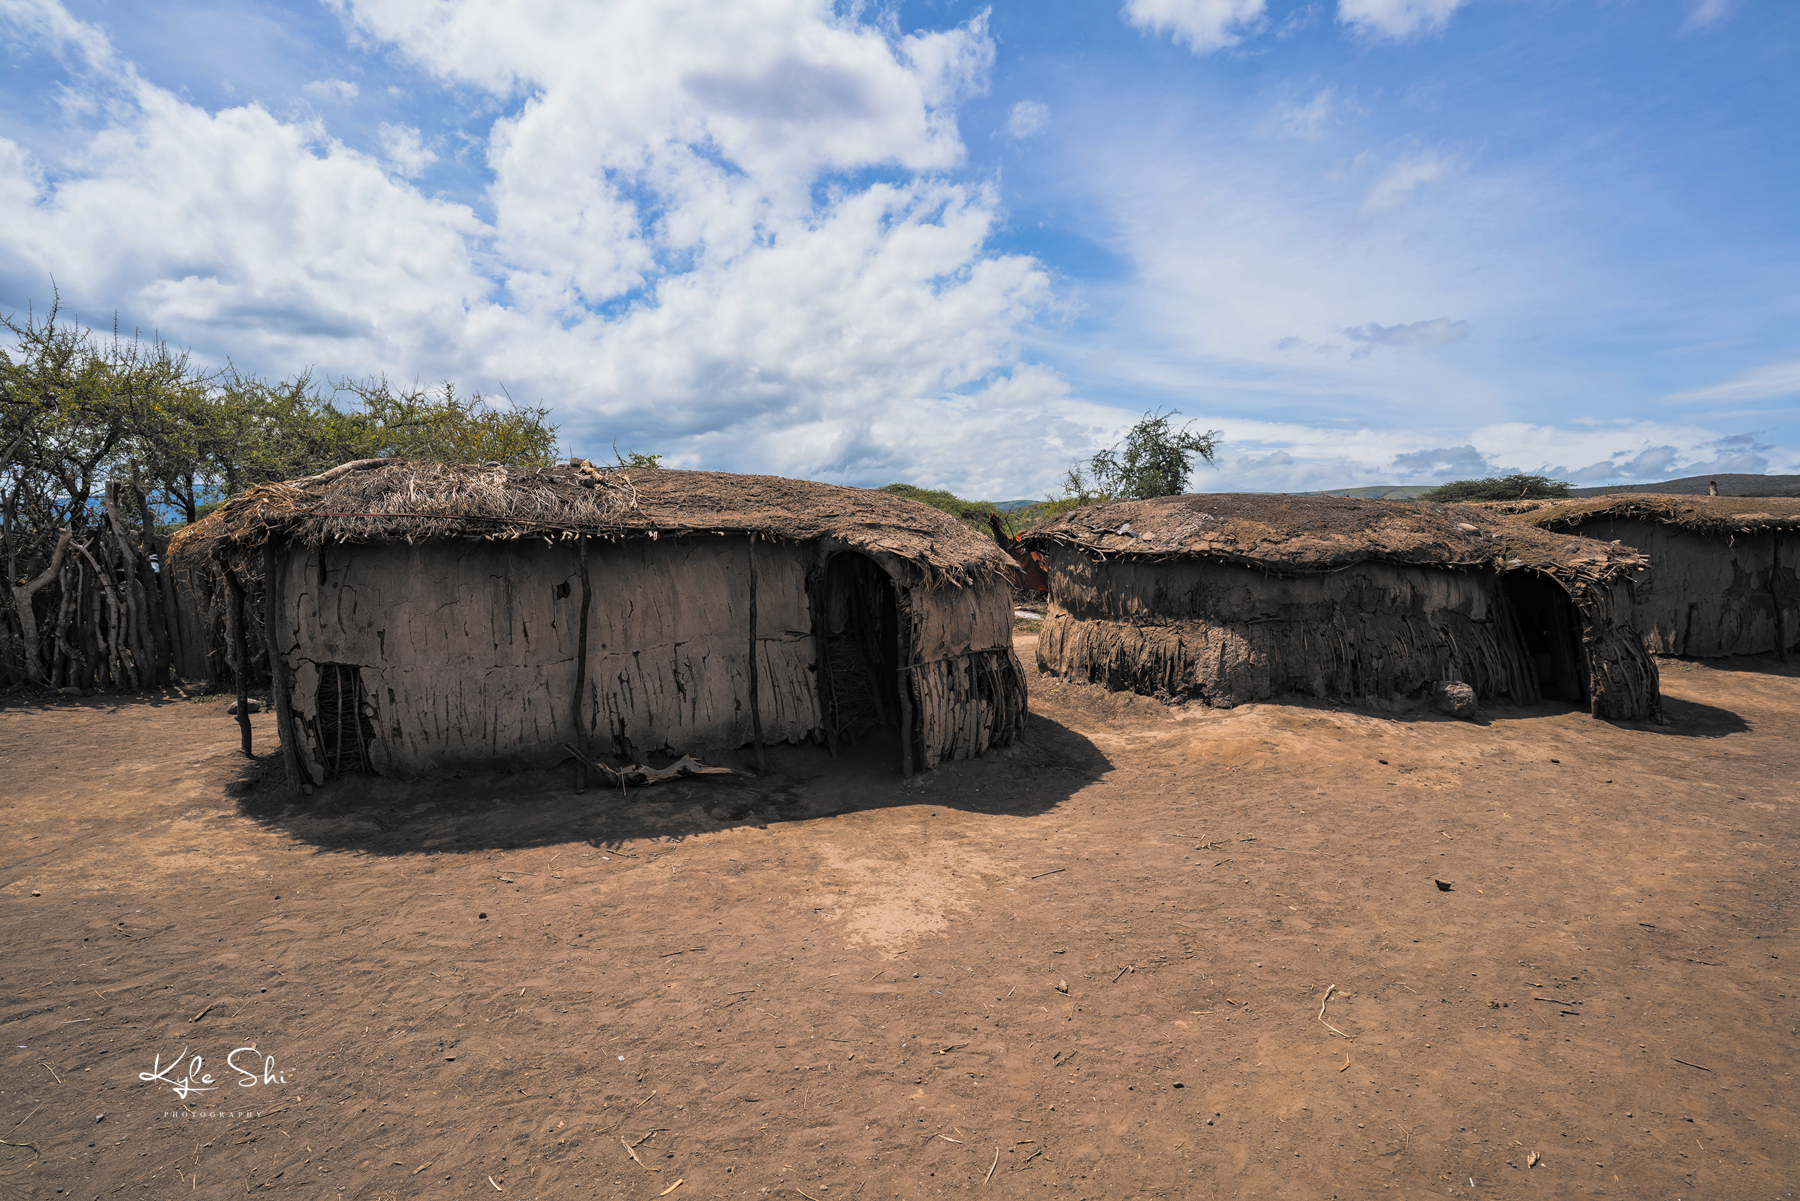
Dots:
pixel 1151 952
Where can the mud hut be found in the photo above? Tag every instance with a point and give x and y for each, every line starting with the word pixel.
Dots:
pixel 1235 598
pixel 423 618
pixel 1723 580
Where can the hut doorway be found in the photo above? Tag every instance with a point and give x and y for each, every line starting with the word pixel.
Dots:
pixel 859 633
pixel 1551 629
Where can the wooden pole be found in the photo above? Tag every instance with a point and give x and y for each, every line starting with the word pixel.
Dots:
pixel 755 703
pixel 581 635
pixel 1781 642
pixel 240 645
pixel 903 677
pixel 279 684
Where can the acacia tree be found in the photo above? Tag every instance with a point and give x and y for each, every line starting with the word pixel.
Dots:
pixel 106 443
pixel 1154 459
pixel 1518 486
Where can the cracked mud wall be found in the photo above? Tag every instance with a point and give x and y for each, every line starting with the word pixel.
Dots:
pixel 467 649
pixel 1228 635
pixel 968 687
pixel 1712 595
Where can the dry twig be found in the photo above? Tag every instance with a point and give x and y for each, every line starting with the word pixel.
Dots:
pixel 1328 1025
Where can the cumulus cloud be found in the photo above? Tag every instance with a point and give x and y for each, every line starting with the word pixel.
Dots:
pixel 1439 331
pixel 1759 383
pixel 1459 462
pixel 1397 20
pixel 405 149
pixel 1201 25
pixel 677 248
pixel 1402 179
pixel 1026 118
pixel 331 91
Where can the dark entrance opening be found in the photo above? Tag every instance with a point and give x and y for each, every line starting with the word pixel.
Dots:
pixel 1551 629
pixel 345 731
pixel 859 634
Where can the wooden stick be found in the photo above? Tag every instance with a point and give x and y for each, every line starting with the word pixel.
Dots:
pixel 903 683
pixel 992 1166
pixel 629 1150
pixel 241 647
pixel 581 638
pixel 670 1189
pixel 202 1013
pixel 1328 1025
pixel 278 677
pixel 756 729
pixel 1051 872
pixel 1685 1063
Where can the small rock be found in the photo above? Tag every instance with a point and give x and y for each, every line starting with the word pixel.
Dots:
pixel 255 706
pixel 71 690
pixel 36 893
pixel 1454 698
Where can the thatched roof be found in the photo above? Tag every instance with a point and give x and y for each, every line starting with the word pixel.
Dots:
pixel 1721 516
pixel 383 500
pixel 1300 535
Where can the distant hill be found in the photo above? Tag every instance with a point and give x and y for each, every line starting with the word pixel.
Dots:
pixel 1378 491
pixel 1696 485
pixel 1008 506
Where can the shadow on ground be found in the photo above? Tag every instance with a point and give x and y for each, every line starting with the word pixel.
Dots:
pixel 500 811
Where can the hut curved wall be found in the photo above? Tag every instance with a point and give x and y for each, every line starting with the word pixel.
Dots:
pixel 1710 594
pixel 966 684
pixel 1229 635
pixel 467 650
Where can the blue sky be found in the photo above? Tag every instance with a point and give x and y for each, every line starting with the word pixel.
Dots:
pixel 956 244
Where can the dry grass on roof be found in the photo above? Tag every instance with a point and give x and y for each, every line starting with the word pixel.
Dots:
pixel 382 500
pixel 1716 515
pixel 1303 534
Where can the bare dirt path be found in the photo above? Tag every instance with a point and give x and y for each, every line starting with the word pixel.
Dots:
pixel 1094 967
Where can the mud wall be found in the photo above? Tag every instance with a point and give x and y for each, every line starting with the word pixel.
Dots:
pixel 467 649
pixel 1711 595
pixel 1227 635
pixel 1623 681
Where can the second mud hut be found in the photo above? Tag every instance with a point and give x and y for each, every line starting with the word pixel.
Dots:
pixel 1724 567
pixel 1234 598
pixel 423 618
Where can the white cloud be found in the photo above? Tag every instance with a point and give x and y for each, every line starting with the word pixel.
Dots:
pixel 1026 118
pixel 1439 331
pixel 1201 25
pixel 676 254
pixel 1402 180
pixel 1310 120
pixel 405 148
pixel 1759 383
pixel 1398 19
pixel 331 91
pixel 1704 13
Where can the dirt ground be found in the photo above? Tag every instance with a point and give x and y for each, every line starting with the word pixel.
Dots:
pixel 1151 952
